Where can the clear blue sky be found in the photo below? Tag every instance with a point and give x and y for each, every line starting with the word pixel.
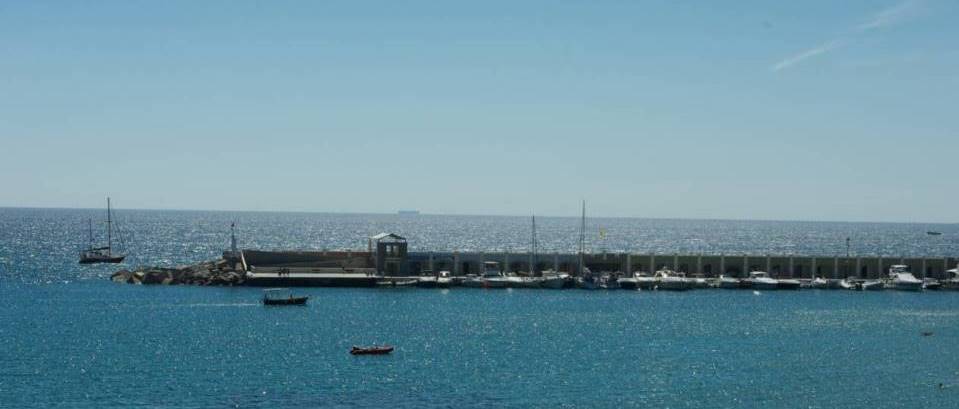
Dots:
pixel 810 110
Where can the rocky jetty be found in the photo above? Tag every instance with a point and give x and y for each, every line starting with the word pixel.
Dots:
pixel 218 272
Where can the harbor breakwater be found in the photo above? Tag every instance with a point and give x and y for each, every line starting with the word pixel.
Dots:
pixel 365 268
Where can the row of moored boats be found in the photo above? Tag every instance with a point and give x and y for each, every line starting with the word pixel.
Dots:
pixel 899 278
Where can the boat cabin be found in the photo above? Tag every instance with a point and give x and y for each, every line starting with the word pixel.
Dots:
pixel 491 269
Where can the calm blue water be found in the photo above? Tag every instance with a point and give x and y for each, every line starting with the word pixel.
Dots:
pixel 70 338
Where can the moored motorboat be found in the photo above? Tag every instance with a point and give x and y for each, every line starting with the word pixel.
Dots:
pixel 931 284
pixel 726 282
pixel 669 280
pixel 373 350
pixel 951 283
pixel 628 282
pixel 902 280
pixel 426 281
pixel 391 282
pixel 818 283
pixel 788 284
pixel 493 277
pixel 760 280
pixel 444 279
pixel 644 281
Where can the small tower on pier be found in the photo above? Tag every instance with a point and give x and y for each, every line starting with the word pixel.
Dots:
pixel 390 254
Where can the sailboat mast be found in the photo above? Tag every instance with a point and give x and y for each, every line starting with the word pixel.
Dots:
pixel 582 238
pixel 109 229
pixel 532 254
pixel 90 232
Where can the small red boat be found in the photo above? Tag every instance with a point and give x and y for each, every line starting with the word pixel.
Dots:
pixel 383 350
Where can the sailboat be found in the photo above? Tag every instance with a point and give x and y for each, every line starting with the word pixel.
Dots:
pixel 101 254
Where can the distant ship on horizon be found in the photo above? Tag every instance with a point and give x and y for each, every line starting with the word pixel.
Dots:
pixel 408 212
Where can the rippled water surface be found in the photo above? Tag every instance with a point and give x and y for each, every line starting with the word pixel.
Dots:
pixel 72 339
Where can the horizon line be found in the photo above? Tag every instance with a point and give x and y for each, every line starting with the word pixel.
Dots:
pixel 395 213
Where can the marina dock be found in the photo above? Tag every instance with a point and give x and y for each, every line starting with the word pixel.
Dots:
pixel 387 256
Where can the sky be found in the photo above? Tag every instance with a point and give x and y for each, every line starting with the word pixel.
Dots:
pixel 811 110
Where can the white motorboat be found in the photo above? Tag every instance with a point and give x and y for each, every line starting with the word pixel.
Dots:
pixel 426 281
pixel 628 282
pixel 699 281
pixel 760 280
pixel 789 284
pixel 819 283
pixel 444 279
pixel 645 282
pixel 671 281
pixel 901 279
pixel 730 283
pixel 952 283
pixel 493 277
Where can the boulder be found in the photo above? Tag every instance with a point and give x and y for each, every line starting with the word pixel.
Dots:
pixel 121 276
pixel 155 277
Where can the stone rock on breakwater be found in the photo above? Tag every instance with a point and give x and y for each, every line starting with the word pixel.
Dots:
pixel 219 272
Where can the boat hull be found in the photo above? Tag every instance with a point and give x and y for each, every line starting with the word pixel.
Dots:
pixel 105 260
pixel 788 285
pixel 286 301
pixel 628 283
pixel 554 283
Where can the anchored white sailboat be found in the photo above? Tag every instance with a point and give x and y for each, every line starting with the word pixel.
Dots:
pixel 102 254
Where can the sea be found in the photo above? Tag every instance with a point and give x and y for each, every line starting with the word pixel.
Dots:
pixel 71 338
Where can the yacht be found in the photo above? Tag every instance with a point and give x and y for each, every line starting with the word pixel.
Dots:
pixel 103 254
pixel 629 282
pixel 644 281
pixel 493 277
pixel 444 279
pixel 671 281
pixel 952 283
pixel 427 280
pixel 760 280
pixel 728 282
pixel 901 279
